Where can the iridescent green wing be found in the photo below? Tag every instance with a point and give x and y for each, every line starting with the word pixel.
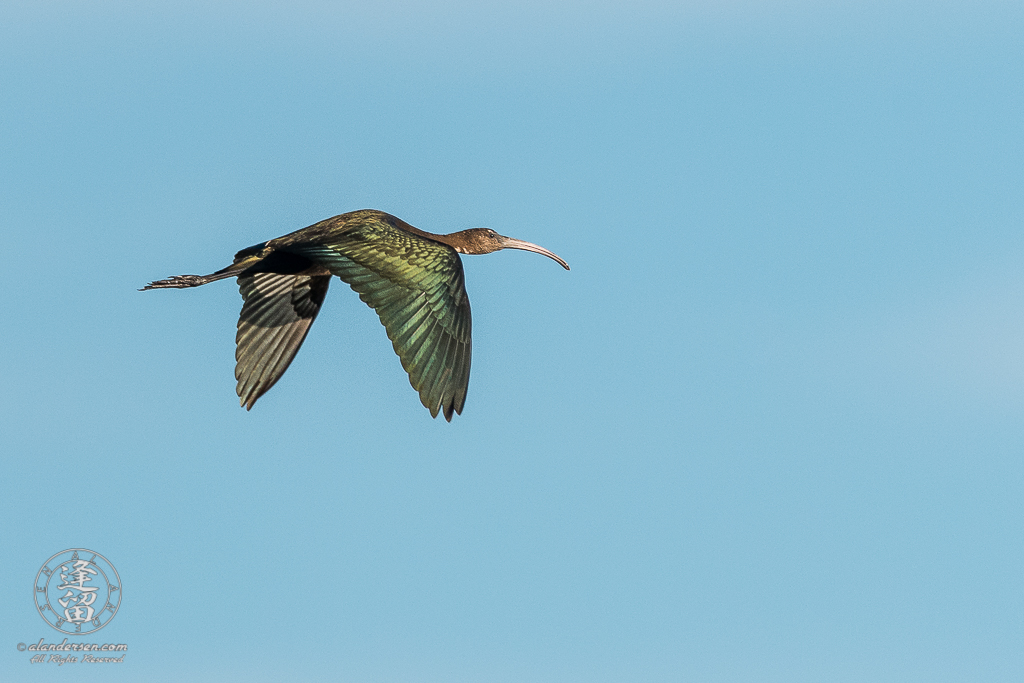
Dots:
pixel 417 287
pixel 278 311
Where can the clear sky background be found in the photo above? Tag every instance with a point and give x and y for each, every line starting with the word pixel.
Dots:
pixel 769 428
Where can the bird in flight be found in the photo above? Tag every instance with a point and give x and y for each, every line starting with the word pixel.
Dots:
pixel 412 278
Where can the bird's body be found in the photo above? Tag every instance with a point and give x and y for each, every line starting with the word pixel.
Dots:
pixel 413 279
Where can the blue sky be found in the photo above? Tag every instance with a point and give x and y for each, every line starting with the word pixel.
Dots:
pixel 769 427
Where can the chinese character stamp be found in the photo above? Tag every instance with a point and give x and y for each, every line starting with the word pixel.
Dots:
pixel 77 591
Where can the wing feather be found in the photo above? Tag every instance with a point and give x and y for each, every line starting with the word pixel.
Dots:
pixel 278 311
pixel 417 287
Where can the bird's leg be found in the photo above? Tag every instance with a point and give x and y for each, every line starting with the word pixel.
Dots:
pixel 179 282
pixel 182 281
pixel 244 260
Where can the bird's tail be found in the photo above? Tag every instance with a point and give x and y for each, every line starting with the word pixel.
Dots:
pixel 182 281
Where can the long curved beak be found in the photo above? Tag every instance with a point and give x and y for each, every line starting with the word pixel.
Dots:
pixel 512 243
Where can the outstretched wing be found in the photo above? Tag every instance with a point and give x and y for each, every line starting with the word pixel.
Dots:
pixel 417 287
pixel 278 311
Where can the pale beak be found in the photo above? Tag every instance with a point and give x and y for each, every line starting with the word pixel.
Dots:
pixel 512 243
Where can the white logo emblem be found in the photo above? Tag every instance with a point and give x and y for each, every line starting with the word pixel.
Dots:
pixel 77 591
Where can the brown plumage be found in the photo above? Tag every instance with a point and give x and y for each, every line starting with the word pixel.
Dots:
pixel 413 279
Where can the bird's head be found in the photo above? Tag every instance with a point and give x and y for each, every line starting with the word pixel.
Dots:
pixel 485 240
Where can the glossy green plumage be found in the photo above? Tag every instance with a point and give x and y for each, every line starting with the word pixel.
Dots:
pixel 411 278
pixel 276 316
pixel 416 285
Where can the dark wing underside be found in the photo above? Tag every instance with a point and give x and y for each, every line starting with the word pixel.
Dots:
pixel 416 285
pixel 278 311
